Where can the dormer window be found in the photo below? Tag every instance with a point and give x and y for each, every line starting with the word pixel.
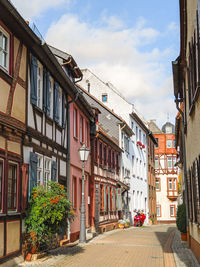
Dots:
pixel 104 98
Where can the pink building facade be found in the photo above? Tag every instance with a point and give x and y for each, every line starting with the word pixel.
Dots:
pixel 79 134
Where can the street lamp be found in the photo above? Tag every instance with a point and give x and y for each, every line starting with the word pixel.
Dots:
pixel 83 153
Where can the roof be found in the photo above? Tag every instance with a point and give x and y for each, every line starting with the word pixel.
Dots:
pixel 153 127
pixel 109 125
pixel 168 124
pixel 66 59
pixel 136 117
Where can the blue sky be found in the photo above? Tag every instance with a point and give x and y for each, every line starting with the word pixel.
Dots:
pixel 129 43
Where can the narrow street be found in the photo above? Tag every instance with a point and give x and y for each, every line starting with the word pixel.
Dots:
pixel 145 246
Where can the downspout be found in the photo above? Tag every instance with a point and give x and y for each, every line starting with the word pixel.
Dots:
pixel 68 154
pixel 184 162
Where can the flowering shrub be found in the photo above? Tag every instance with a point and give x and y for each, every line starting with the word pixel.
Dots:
pixel 47 213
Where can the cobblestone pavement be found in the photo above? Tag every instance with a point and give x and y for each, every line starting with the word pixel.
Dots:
pixel 133 247
pixel 182 255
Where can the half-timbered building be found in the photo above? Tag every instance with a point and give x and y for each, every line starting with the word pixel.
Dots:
pixel 13 86
pixel 166 172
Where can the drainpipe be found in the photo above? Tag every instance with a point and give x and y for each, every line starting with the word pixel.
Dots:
pixel 184 162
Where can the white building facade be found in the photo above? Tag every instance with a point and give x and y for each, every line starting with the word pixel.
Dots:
pixel 134 157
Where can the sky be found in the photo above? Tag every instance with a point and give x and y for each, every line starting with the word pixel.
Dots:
pixel 128 43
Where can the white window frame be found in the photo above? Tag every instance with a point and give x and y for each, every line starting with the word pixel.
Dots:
pixel 172 214
pixel 170 182
pixel 158 213
pixel 43 170
pixel 156 163
pixel 169 160
pixel 47 171
pixel 39 85
pixel 4 51
pixel 51 97
pixel 39 169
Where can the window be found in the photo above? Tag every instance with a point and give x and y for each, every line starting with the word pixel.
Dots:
pixel 109 158
pixel 140 133
pixel 133 164
pixel 47 171
pixel 117 163
pixel 96 150
pixel 104 98
pixel 39 169
pixel 172 184
pixel 75 123
pixel 51 97
pixel 100 153
pixel 126 143
pixel 158 209
pixel 172 211
pixel 12 186
pixel 74 193
pixel 174 143
pixel 1 183
pixel 39 86
pixel 169 143
pixel 132 125
pixel 169 162
pixel 105 155
pixel 158 184
pixel 122 141
pixel 4 49
pixel 80 191
pixel 156 163
pixel 144 139
pixel 168 129
pixel 87 134
pixel 81 130
pixel 136 133
pixel 157 140
pixel 113 159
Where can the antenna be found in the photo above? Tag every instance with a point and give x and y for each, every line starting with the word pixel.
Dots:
pixel 167 116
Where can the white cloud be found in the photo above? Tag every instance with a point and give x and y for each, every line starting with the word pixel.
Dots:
pixel 113 52
pixel 34 8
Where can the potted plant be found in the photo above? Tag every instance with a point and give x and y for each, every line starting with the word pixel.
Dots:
pixel 127 223
pixel 181 221
pixel 121 224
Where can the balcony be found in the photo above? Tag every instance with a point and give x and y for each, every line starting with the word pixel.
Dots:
pixel 172 195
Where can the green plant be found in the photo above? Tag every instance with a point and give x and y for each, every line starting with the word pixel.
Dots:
pixel 181 218
pixel 47 213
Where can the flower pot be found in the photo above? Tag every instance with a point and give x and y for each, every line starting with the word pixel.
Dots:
pixel 121 226
pixel 184 236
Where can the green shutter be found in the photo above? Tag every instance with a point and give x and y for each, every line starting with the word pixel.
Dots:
pixel 33 74
pixel 48 105
pixel 63 110
pixel 44 89
pixel 56 102
pixel 33 172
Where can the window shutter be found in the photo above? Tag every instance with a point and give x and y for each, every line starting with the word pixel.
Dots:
pixel 113 193
pixel 33 172
pixel 44 89
pixel 54 171
pixel 119 199
pixel 25 171
pixel 108 198
pixel 34 67
pixel 56 102
pixel 105 199
pixel 63 110
pixel 48 107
